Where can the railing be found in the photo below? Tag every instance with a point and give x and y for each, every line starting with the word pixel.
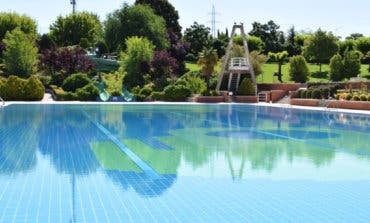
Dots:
pixel 2 102
pixel 239 63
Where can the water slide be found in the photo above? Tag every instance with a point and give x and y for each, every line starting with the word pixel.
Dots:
pixel 104 95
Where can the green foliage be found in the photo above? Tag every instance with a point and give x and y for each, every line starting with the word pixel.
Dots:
pixel 20 56
pixel 351 64
pixel 346 45
pixel 11 21
pixel 363 97
pixel 254 43
pixel 356 97
pixel 34 89
pixel 176 93
pixel 87 93
pixel 137 20
pixel 363 45
pixel 298 69
pixel 77 28
pixel 246 87
pixel 208 59
pixel 316 94
pixel 298 94
pixel 291 45
pixel 270 34
pixel 320 46
pixel 75 81
pixel 198 36
pixel 16 89
pixel 336 68
pixel 257 61
pixel 195 84
pixel 309 94
pixel 280 58
pixel 166 10
pixel 136 60
pixel 304 94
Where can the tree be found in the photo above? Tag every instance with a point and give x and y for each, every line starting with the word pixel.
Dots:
pixel 298 69
pixel 291 45
pixel 254 43
pixel 136 60
pixel 20 56
pixel 320 46
pixel 208 59
pixel 166 10
pixel 45 42
pixel 280 58
pixel 363 45
pixel 257 61
pixel 348 45
pixel 11 21
pixel 336 68
pixel 137 20
pixel 198 36
pixel 354 36
pixel 163 66
pixel 270 35
pixel 82 28
pixel 351 64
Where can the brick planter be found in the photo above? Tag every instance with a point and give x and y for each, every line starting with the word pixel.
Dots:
pixel 357 105
pixel 246 99
pixel 209 99
pixel 276 95
pixel 305 102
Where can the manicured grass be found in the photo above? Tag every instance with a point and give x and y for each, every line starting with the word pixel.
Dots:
pixel 270 68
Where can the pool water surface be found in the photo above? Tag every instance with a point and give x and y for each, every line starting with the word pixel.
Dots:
pixel 182 163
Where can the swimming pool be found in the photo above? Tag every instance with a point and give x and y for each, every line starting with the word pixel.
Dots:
pixel 182 163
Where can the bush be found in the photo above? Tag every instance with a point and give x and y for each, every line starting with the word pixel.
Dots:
pixel 176 92
pixel 116 93
pixel 336 68
pixel 304 94
pixel 20 56
pixel 363 97
pixel 356 97
pixel 14 89
pixel 298 94
pixel 157 95
pixel 246 87
pixel 368 98
pixel 2 86
pixel 87 93
pixel 75 81
pixel 193 81
pixel 309 94
pixel 45 80
pixel 325 92
pixel 348 97
pixel 211 93
pixel 298 69
pixel 351 64
pixel 316 94
pixel 34 90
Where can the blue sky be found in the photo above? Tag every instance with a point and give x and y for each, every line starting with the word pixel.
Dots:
pixel 341 17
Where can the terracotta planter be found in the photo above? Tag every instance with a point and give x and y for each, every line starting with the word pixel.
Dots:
pixel 305 102
pixel 209 99
pixel 358 105
pixel 246 99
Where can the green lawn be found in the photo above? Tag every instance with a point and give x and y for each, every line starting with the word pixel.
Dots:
pixel 270 68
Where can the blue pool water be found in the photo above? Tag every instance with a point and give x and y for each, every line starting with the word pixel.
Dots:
pixel 182 163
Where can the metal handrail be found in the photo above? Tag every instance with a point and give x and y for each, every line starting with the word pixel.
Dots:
pixel 240 63
pixel 2 102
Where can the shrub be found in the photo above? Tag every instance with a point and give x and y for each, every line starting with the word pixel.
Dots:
pixel 45 80
pixel 363 97
pixel 336 68
pixel 116 93
pixel 368 98
pixel 351 64
pixel 356 97
pixel 337 96
pixel 316 94
pixel 176 92
pixel 309 94
pixel 304 94
pixel 348 97
pixel 157 95
pixel 34 90
pixel 246 87
pixel 298 94
pixel 211 93
pixel 11 21
pixel 298 69
pixel 2 86
pixel 14 89
pixel 87 93
pixel 324 91
pixel 195 84
pixel 75 81
pixel 20 56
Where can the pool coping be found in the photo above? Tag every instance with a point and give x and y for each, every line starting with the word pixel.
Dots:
pixel 337 110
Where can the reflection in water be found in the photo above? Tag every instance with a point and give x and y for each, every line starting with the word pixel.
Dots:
pixel 168 137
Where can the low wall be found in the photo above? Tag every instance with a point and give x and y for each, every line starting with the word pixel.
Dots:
pixel 305 102
pixel 209 99
pixel 276 95
pixel 246 99
pixel 358 105
pixel 285 87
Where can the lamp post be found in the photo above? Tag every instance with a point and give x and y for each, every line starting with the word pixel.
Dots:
pixel 73 2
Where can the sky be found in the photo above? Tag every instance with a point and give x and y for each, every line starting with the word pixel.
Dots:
pixel 339 16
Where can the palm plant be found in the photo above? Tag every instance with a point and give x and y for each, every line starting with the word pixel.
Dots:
pixel 208 59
